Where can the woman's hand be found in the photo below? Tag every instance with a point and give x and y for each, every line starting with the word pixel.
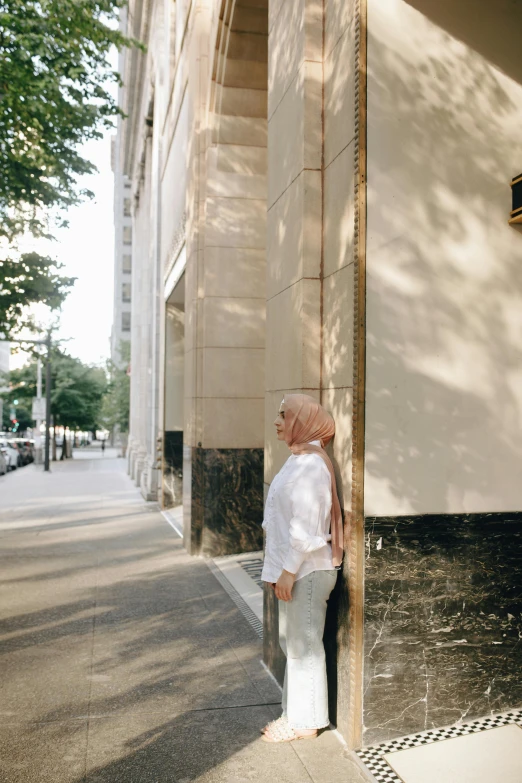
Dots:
pixel 283 586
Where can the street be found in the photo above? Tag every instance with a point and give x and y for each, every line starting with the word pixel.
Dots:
pixel 123 659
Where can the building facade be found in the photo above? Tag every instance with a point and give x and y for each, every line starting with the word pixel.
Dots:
pixel 121 324
pixel 320 195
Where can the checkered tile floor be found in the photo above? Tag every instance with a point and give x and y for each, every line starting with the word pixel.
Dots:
pixel 373 757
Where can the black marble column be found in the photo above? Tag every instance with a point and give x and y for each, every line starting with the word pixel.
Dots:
pixel 443 621
pixel 273 655
pixel 223 493
pixel 173 468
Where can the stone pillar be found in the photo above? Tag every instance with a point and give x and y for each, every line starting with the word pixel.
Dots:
pixel 293 233
pixel 338 312
pixel 310 258
pixel 225 318
pixel 173 407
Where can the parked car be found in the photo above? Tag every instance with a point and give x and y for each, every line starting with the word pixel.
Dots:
pixel 25 449
pixel 13 455
pixel 3 462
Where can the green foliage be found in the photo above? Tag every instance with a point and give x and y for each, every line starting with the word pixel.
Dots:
pixel 55 94
pixel 116 402
pixel 55 81
pixel 23 417
pixel 32 278
pixel 77 391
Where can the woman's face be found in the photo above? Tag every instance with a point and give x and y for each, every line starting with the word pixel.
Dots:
pixel 280 423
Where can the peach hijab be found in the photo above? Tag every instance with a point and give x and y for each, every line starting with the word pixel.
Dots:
pixel 306 420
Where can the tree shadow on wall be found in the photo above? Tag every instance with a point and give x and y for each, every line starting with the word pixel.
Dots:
pixel 444 284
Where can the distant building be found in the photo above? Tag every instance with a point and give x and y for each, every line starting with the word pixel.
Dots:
pixel 121 327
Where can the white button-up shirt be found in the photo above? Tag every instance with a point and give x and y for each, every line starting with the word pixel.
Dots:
pixel 297 518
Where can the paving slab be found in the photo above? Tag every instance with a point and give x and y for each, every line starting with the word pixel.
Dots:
pixel 46 681
pixel 122 658
pixel 214 746
pixel 41 752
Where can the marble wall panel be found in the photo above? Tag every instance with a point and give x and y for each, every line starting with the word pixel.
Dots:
pixel 294 234
pixel 273 655
pixel 338 14
pixel 233 322
pixel 295 36
pixel 192 495
pixel 301 110
pixel 339 212
pixel 339 96
pixel 293 337
pixel 243 130
pixel 232 423
pixel 173 469
pixel 339 402
pixel 443 620
pixel 338 290
pixel 233 372
pixel 234 272
pixel 227 501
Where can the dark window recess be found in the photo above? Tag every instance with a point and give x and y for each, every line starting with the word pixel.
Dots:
pixel 516 194
pixel 125 322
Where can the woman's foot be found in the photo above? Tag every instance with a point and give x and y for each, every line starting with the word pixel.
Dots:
pixel 280 731
pixel 281 720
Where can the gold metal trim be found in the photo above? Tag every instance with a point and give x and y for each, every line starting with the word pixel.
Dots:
pixel 356 532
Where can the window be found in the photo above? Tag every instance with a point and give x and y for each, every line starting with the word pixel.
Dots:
pixel 126 292
pixel 127 235
pixel 127 207
pixel 125 322
pixel 127 263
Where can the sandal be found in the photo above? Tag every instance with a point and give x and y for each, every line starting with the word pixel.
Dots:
pixel 282 719
pixel 280 731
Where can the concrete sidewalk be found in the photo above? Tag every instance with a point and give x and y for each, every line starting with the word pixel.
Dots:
pixel 122 658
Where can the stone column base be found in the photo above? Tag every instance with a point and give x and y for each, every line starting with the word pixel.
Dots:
pixel 149 480
pixel 139 466
pixel 222 500
pixel 132 449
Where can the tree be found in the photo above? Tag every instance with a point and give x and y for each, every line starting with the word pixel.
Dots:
pixel 55 94
pixel 116 402
pixel 76 392
pixel 55 80
pixel 32 278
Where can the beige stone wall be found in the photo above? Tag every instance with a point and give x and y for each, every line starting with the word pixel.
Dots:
pixel 294 206
pixel 174 374
pixel 227 233
pixel 196 66
pixel 310 249
pixel 338 230
pixel 444 396
pixel 310 217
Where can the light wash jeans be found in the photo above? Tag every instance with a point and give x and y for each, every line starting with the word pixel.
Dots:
pixel 301 628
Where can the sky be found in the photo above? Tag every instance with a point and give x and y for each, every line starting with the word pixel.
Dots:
pixel 86 248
